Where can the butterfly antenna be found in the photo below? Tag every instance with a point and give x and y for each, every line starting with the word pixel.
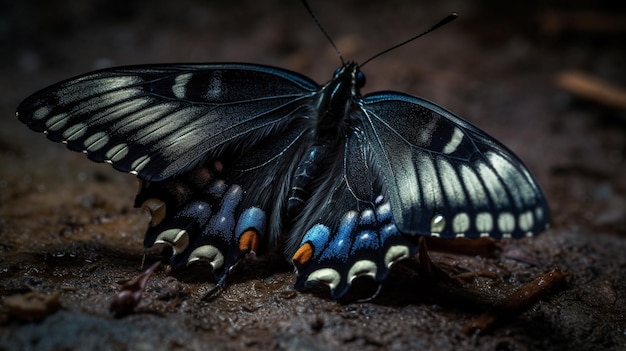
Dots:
pixel 451 17
pixel 319 25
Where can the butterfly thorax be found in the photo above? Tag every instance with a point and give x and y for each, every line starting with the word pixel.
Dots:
pixel 337 100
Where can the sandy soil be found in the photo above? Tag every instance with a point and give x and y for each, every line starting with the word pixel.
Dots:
pixel 68 225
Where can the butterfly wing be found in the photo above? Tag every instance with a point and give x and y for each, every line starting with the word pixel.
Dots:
pixel 222 210
pixel 214 143
pixel 445 177
pixel 409 168
pixel 158 121
pixel 347 228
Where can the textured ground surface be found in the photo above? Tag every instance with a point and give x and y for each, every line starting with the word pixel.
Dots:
pixel 68 225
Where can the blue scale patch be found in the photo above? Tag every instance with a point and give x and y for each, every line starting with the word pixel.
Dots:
pixel 318 236
pixel 388 231
pixel 367 218
pixel 198 210
pixel 339 247
pixel 252 217
pixel 366 239
pixel 358 236
pixel 223 223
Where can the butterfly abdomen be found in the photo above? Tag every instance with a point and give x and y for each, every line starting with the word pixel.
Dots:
pixel 306 174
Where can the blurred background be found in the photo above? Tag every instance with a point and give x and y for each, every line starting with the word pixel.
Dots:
pixel 547 78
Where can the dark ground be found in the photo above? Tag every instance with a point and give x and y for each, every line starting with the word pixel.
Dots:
pixel 68 225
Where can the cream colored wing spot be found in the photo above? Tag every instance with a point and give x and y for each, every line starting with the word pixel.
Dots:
pixel 526 221
pixel 461 223
pixel 327 276
pixel 42 112
pixel 437 224
pixel 484 222
pixel 157 210
pixel 75 131
pixel 208 253
pixel 96 141
pixel 455 141
pixel 506 222
pixel 395 254
pixel 139 164
pixel 117 152
pixel 180 85
pixel 57 122
pixel 177 238
pixel 362 268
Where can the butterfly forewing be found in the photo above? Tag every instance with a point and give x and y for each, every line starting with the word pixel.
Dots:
pixel 157 121
pixel 447 178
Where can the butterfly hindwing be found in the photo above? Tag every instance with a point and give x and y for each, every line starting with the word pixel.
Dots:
pixel 229 206
pixel 347 230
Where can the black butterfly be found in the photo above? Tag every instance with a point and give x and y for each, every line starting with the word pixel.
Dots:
pixel 236 158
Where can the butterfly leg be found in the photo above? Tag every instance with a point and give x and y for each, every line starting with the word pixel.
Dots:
pixel 426 264
pixel 364 244
pixel 201 218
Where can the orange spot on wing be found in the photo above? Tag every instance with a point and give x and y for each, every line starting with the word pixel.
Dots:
pixel 304 254
pixel 249 240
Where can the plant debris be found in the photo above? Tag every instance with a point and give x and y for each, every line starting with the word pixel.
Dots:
pixel 514 304
pixel 125 301
pixel 32 306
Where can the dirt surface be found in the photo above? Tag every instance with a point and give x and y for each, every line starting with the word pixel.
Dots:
pixel 68 225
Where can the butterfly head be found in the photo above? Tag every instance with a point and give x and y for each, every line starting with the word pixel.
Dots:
pixel 350 74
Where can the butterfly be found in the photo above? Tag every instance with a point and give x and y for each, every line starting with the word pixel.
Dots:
pixel 238 158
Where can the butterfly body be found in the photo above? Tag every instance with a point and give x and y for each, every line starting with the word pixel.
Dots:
pixel 236 158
